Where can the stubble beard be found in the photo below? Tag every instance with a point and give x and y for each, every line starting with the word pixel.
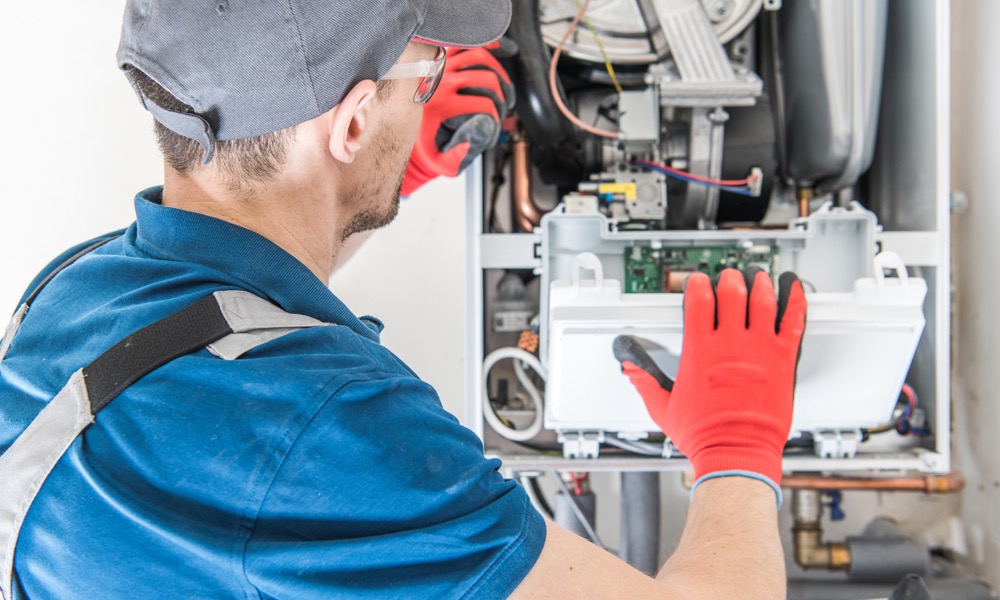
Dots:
pixel 378 195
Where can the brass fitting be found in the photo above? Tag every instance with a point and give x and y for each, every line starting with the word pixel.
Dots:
pixel 812 552
pixel 807 535
pixel 805 195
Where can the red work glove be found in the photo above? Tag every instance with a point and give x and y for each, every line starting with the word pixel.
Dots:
pixel 462 118
pixel 730 409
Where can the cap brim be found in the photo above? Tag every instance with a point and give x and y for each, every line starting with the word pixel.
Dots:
pixel 469 23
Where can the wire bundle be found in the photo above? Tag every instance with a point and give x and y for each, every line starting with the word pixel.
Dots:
pixel 736 186
pixel 554 80
pixel 902 424
pixel 521 359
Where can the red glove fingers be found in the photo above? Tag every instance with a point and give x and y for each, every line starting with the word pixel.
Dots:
pixel 462 119
pixel 730 409
pixel 463 61
pixel 451 147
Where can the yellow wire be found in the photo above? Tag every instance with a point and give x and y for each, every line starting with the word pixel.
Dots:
pixel 604 53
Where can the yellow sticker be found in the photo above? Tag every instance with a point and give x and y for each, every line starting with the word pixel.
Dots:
pixel 628 189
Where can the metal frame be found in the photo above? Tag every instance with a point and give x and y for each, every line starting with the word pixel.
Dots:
pixel 920 247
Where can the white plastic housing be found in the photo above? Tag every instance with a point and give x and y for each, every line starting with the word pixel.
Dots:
pixel 855 353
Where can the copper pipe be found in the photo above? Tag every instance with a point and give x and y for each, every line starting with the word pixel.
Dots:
pixel 930 484
pixel 527 215
pixel 805 195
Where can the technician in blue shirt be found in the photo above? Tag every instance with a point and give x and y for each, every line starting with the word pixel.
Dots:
pixel 318 465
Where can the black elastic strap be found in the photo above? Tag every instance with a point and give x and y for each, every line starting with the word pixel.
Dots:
pixel 152 346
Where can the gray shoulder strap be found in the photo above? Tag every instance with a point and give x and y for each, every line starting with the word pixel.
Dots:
pixel 28 462
pixel 24 467
pixel 255 322
pixel 8 334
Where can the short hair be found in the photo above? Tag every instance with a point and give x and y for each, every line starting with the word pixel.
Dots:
pixel 245 162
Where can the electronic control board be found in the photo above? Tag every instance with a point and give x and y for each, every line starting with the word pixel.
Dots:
pixel 653 270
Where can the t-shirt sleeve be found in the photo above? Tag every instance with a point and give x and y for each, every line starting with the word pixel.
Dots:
pixel 386 494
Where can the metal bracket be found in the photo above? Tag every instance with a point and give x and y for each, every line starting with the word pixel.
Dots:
pixel 700 72
pixel 581 444
pixel 836 443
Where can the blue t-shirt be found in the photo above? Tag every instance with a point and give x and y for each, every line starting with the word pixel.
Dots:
pixel 316 466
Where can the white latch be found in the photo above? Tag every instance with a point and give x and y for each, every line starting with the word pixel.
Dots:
pixel 581 444
pixel 890 261
pixel 587 261
pixel 836 443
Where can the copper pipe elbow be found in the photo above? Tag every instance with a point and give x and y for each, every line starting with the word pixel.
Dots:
pixel 527 215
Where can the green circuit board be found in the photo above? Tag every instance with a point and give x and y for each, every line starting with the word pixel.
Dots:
pixel 650 270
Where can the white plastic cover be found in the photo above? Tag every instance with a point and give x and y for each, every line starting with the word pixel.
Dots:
pixel 855 354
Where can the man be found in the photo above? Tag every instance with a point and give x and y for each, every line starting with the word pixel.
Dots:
pixel 317 464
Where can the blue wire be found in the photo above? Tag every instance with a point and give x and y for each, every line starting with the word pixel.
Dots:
pixel 728 188
pixel 903 426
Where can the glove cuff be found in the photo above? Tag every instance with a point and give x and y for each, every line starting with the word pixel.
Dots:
pixel 738 473
pixel 727 459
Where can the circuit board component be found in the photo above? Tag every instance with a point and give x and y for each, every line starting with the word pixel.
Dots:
pixel 653 270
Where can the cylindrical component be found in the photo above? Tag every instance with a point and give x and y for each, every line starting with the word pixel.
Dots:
pixel 831 54
pixel 640 526
pixel 931 484
pixel 566 517
pixel 884 553
pixel 805 196
pixel 527 215
pixel 676 280
pixel 806 507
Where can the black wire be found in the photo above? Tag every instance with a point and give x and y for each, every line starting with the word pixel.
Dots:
pixel 777 89
pixel 540 497
pixel 894 425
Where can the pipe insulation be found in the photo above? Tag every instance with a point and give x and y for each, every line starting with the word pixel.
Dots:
pixel 640 520
pixel 884 553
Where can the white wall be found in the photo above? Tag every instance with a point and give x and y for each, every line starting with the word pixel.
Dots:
pixel 75 147
pixel 412 276
pixel 975 157
pixel 74 144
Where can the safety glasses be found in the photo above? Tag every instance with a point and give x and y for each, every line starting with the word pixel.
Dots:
pixel 429 72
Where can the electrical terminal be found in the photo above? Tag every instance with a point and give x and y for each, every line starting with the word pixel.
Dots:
pixel 528 341
pixel 755 181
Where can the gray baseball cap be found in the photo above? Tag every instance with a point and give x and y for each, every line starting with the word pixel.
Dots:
pixel 250 67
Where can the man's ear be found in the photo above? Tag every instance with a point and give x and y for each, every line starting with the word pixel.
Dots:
pixel 349 120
